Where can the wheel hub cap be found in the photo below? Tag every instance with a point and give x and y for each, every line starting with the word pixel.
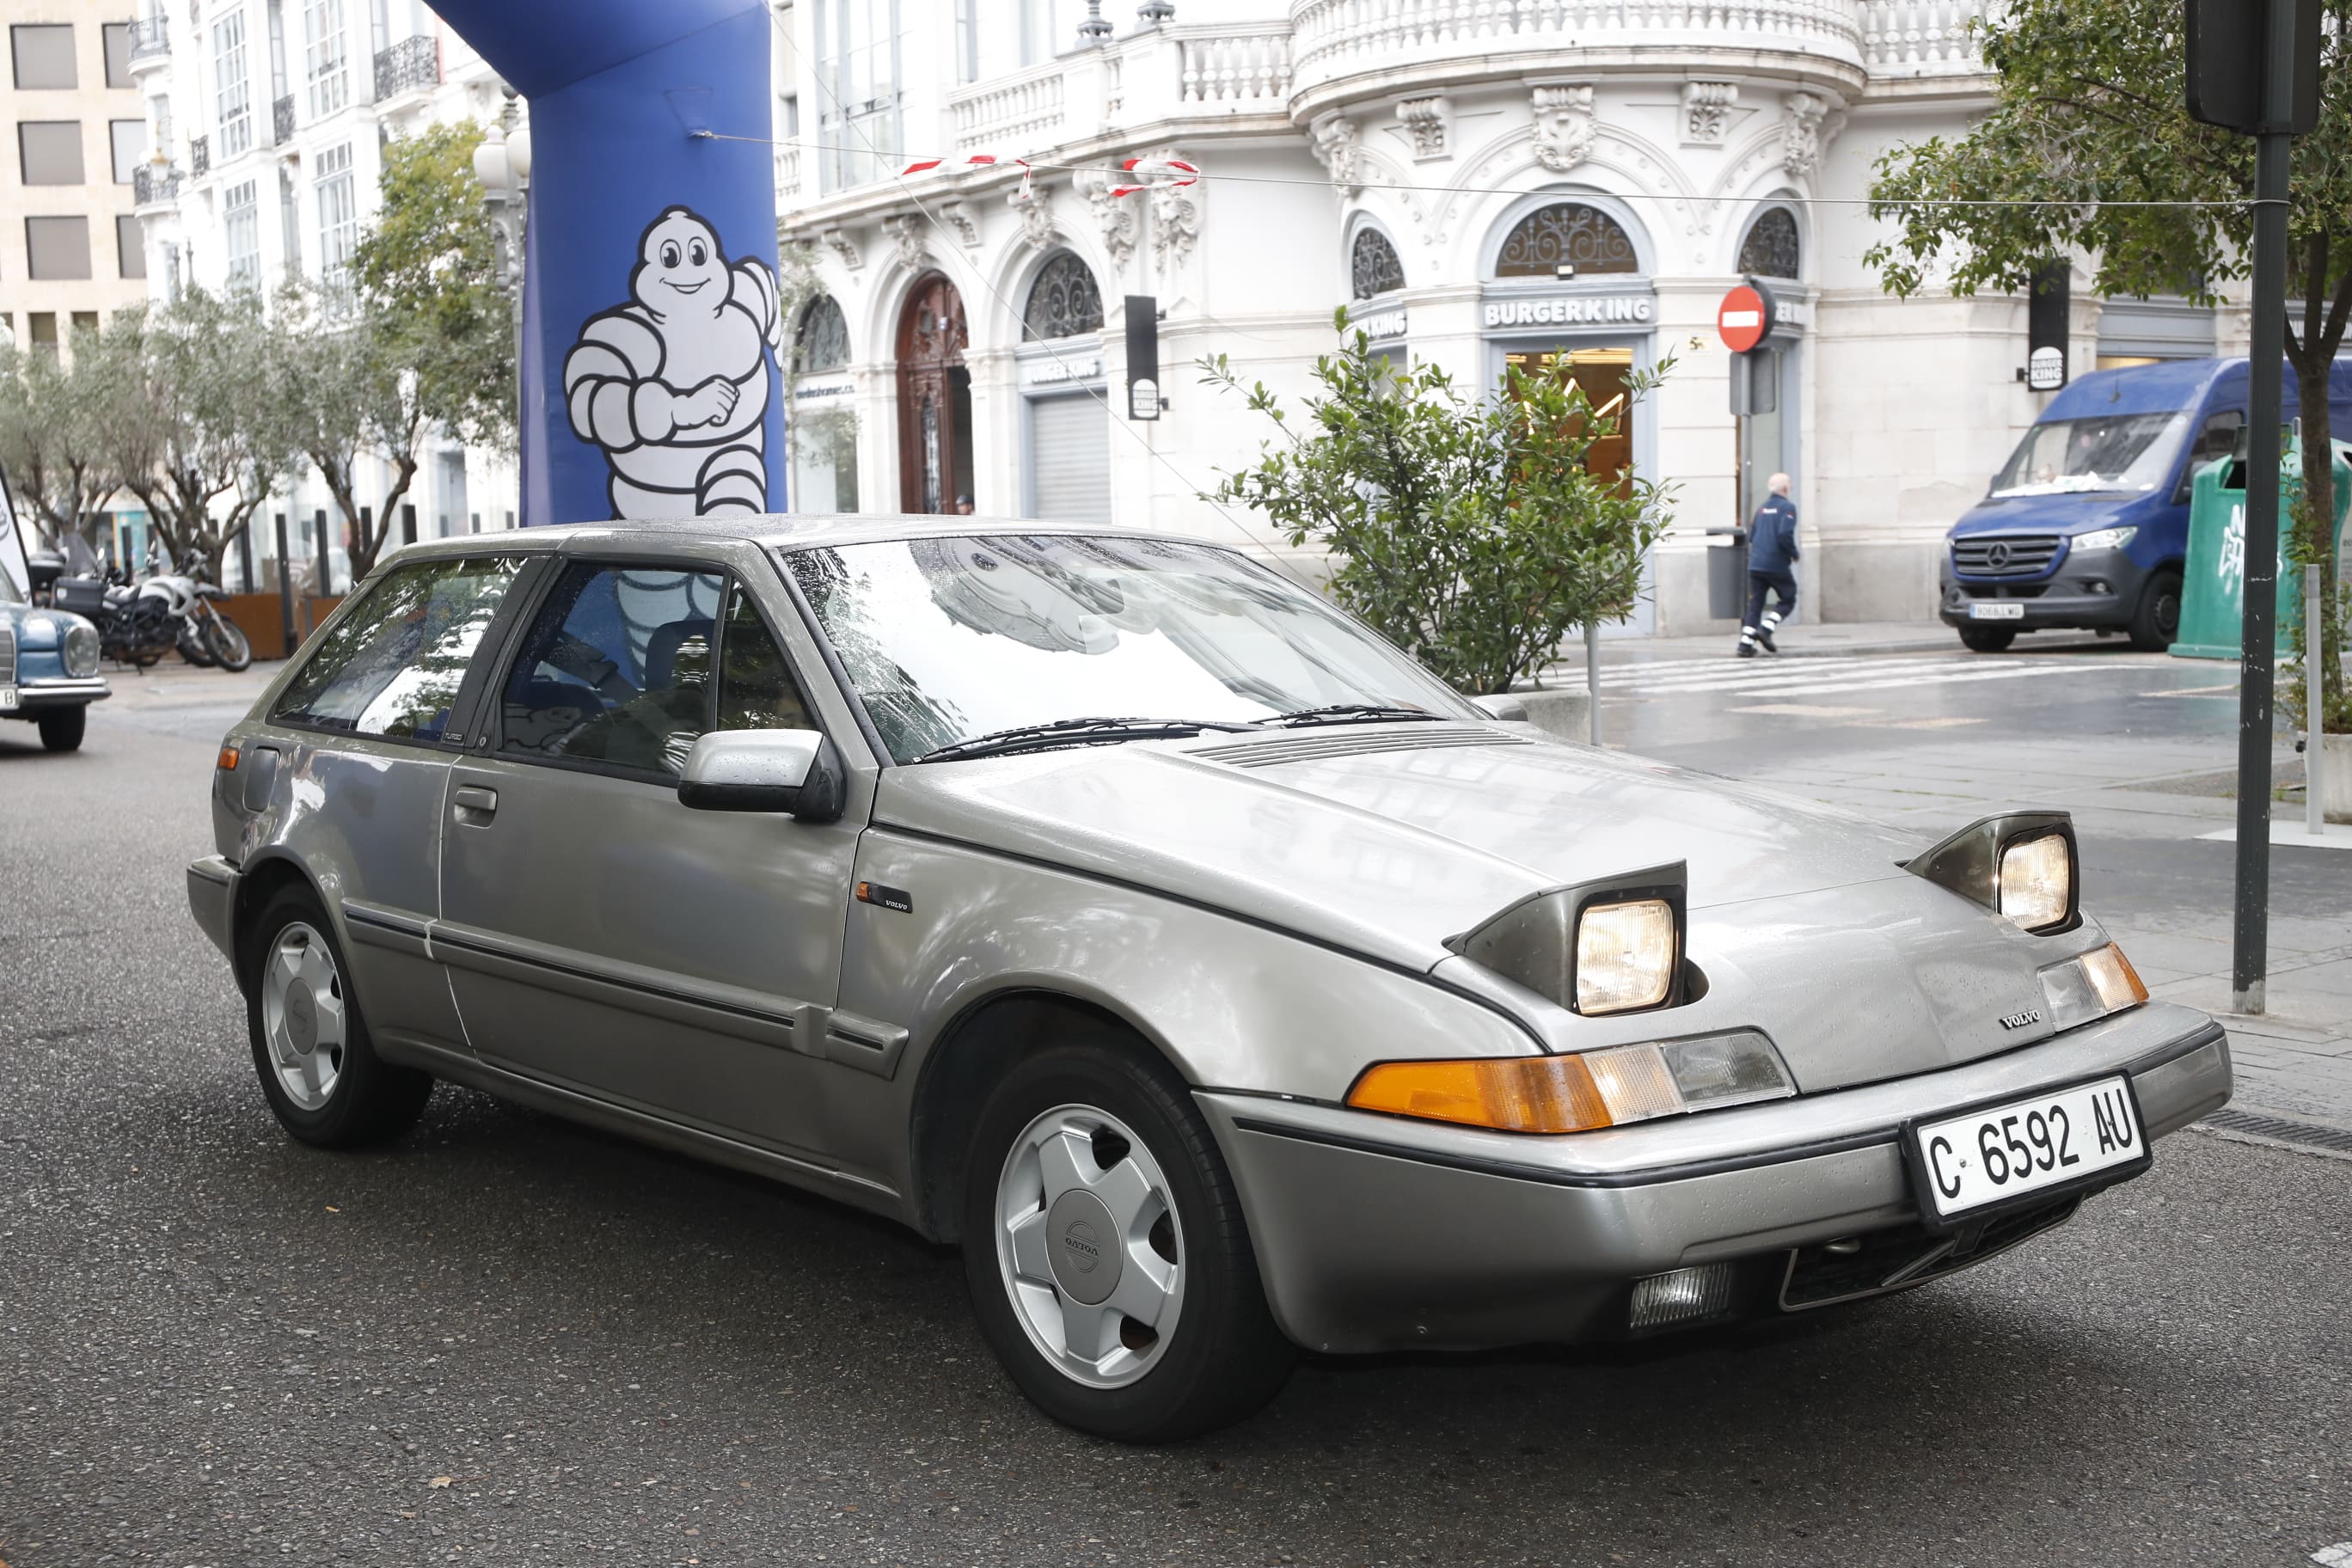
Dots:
pixel 302 1018
pixel 1085 1246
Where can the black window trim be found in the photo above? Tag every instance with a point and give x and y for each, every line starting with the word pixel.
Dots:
pixel 492 743
pixel 460 717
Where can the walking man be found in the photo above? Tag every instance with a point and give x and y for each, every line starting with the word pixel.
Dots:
pixel 1772 565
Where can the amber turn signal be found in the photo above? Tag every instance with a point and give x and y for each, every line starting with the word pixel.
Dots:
pixel 1512 1094
pixel 229 759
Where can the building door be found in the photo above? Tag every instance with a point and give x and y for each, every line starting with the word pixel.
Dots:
pixel 1600 374
pixel 934 399
pixel 1069 460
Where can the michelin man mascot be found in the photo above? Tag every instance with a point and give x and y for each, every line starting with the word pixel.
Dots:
pixel 674 385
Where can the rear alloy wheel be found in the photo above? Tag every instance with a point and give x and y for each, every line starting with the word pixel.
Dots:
pixel 62 727
pixel 318 1070
pixel 2157 622
pixel 1988 639
pixel 1106 1251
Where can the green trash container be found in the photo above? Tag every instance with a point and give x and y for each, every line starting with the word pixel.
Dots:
pixel 2213 579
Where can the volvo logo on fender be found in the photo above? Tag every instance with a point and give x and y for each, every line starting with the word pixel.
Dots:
pixel 2020 1020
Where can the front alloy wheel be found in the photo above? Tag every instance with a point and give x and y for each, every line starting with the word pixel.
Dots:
pixel 1088 1245
pixel 1105 1250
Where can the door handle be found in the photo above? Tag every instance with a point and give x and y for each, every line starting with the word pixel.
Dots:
pixel 476 806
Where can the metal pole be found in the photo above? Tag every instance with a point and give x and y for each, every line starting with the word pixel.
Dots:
pixel 2251 929
pixel 1592 679
pixel 285 590
pixel 2315 710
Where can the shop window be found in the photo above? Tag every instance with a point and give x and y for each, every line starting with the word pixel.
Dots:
pixel 1372 266
pixel 1566 240
pixel 1770 249
pixel 1064 301
pixel 822 341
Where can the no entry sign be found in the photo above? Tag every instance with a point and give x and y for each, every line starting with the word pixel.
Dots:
pixel 1743 318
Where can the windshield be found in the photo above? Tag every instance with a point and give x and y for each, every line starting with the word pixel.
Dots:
pixel 946 639
pixel 2110 452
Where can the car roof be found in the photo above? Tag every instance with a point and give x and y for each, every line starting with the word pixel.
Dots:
pixel 784 530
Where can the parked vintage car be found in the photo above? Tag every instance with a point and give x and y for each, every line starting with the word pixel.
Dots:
pixel 1220 979
pixel 49 668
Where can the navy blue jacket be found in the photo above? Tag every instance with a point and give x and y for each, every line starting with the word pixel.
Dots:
pixel 1773 536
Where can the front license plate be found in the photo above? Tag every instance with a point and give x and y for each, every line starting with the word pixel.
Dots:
pixel 1982 611
pixel 2010 1154
pixel 7 699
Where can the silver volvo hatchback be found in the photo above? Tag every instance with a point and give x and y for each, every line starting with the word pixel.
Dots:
pixel 1110 905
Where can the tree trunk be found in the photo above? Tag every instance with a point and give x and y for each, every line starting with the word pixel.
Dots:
pixel 2321 647
pixel 404 468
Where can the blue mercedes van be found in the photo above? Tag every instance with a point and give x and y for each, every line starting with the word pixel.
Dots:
pixel 2087 523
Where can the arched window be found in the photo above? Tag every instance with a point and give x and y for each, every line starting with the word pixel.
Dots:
pixel 1566 234
pixel 1373 265
pixel 1770 249
pixel 1064 301
pixel 822 341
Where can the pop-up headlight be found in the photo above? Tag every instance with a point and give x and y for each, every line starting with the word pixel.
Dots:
pixel 1612 946
pixel 2022 865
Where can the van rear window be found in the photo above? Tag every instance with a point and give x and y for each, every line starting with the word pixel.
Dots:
pixel 392 667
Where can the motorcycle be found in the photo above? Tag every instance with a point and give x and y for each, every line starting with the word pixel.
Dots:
pixel 139 623
pixel 202 634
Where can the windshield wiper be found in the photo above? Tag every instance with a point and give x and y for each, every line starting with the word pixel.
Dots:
pixel 1072 733
pixel 1349 713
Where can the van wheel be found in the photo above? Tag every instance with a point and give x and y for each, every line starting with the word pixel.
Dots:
pixel 318 1070
pixel 1988 639
pixel 2157 622
pixel 1106 1251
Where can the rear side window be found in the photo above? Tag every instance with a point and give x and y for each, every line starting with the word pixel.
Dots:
pixel 393 667
pixel 629 665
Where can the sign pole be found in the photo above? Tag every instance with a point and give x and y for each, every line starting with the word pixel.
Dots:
pixel 2250 934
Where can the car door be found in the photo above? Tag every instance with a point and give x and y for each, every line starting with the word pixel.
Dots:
pixel 352 774
pixel 605 938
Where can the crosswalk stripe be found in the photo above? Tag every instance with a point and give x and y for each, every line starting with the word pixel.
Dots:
pixel 1794 680
pixel 1712 669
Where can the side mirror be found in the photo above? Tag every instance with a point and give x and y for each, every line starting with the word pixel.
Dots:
pixel 792 771
pixel 1502 706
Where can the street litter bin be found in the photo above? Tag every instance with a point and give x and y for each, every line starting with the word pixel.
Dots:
pixel 2213 579
pixel 1727 573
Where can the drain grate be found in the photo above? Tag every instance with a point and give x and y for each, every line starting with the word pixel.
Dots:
pixel 2335 1140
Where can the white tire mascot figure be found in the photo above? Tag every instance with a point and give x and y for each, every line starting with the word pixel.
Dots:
pixel 674 385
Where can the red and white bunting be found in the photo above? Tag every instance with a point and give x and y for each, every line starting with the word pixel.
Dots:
pixel 1172 173
pixel 970 161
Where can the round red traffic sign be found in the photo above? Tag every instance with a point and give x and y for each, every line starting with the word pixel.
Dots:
pixel 1743 319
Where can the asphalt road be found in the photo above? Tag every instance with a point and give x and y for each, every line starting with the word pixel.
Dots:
pixel 510 1340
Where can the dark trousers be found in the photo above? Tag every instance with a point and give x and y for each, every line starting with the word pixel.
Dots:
pixel 1783 587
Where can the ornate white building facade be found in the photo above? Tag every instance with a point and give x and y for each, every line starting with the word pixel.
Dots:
pixel 1477 180
pixel 268 121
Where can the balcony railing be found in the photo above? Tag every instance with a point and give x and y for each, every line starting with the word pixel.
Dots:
pixel 150 40
pixel 1238 67
pixel 200 156
pixel 1013 113
pixel 151 186
pixel 788 173
pixel 281 121
pixel 410 65
pixel 1922 37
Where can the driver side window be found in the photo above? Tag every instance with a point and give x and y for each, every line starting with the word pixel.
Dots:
pixel 628 665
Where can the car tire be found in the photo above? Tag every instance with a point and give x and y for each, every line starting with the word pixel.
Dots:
pixel 230 648
pixel 2156 621
pixel 1988 639
pixel 1153 1189
pixel 318 1069
pixel 62 727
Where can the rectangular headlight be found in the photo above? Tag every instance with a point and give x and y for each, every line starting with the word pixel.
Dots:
pixel 2036 887
pixel 1624 955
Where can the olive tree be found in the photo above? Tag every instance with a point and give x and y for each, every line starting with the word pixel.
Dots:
pixel 1467 529
pixel 2088 131
pixel 56 423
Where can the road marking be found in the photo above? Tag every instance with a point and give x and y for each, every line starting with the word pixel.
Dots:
pixel 1806 684
pixel 1928 724
pixel 1803 710
pixel 2337 1556
pixel 2229 690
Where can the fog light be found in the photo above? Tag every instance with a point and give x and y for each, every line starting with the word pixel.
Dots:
pixel 1684 1296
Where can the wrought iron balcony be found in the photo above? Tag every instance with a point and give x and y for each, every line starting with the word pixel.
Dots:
pixel 200 156
pixel 410 65
pixel 151 186
pixel 149 39
pixel 281 121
